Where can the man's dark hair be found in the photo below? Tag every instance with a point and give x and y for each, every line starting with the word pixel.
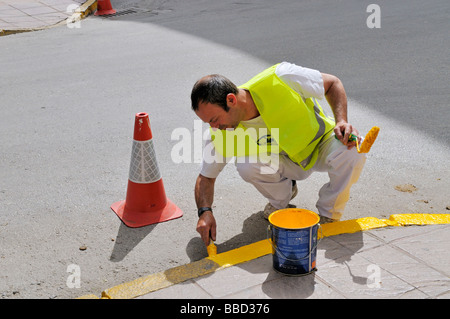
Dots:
pixel 212 89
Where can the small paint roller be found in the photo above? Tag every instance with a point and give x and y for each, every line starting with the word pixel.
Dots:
pixel 211 249
pixel 368 140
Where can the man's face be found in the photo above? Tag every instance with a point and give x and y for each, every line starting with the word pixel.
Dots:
pixel 217 117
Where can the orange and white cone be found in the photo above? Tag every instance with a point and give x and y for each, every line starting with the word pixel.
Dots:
pixel 146 202
pixel 104 7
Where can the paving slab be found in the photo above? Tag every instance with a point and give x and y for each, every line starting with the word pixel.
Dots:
pixel 31 15
pixel 408 262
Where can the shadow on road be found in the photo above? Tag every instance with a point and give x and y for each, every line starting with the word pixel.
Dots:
pixel 128 238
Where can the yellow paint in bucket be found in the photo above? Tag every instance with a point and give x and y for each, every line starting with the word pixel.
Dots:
pixel 294 240
pixel 293 218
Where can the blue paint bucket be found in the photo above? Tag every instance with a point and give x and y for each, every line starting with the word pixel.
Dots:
pixel 294 238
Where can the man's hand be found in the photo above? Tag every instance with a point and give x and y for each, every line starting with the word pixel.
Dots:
pixel 206 227
pixel 204 194
pixel 343 130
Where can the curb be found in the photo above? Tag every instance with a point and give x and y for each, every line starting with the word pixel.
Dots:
pixel 80 13
pixel 164 279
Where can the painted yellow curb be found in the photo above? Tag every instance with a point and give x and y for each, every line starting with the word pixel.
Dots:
pixel 88 297
pixel 420 219
pixel 354 225
pixel 153 282
pixel 82 11
pixel 182 273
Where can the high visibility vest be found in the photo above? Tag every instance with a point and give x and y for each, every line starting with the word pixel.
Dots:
pixel 299 124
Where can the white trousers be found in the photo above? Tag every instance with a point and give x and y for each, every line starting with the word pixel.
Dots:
pixel 274 182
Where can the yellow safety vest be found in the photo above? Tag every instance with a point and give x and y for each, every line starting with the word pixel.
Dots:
pixel 301 123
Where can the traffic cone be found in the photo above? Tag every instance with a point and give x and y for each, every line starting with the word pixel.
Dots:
pixel 146 202
pixel 104 7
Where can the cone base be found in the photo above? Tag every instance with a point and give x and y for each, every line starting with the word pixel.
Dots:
pixel 141 219
pixel 105 12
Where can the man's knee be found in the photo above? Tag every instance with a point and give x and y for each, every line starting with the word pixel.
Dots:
pixel 348 158
pixel 250 170
pixel 348 167
pixel 247 170
pixel 358 159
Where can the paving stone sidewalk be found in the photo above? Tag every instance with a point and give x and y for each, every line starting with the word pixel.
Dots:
pixel 28 15
pixel 389 263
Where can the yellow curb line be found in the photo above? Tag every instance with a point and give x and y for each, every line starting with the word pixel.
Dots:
pixel 81 12
pixel 366 223
pixel 153 282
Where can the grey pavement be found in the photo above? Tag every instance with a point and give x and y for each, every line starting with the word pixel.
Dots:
pixel 26 15
pixel 387 263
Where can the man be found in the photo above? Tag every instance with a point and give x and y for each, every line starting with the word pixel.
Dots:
pixel 281 100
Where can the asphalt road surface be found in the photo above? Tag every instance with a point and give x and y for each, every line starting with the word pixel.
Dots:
pixel 68 97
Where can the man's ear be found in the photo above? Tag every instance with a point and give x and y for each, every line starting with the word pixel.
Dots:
pixel 231 99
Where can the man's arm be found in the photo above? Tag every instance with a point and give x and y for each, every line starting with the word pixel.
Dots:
pixel 337 99
pixel 204 196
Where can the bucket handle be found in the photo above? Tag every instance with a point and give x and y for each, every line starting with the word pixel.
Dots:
pixel 282 255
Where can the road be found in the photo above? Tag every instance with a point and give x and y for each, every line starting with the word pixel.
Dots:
pixel 68 98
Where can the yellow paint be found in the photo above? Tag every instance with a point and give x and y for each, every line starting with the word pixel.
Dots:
pixel 366 223
pixel 420 219
pixel 368 140
pixel 182 273
pixel 242 254
pixel 246 253
pixel 354 225
pixel 88 297
pixel 161 280
pixel 293 218
pixel 211 249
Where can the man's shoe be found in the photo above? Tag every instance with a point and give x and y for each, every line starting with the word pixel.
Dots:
pixel 326 220
pixel 269 209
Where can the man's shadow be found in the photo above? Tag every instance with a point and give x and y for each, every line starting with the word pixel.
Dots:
pixel 254 229
pixel 349 245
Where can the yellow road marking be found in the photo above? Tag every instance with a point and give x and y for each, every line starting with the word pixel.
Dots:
pixel 153 282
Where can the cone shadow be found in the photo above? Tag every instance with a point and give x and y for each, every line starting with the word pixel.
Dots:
pixel 127 238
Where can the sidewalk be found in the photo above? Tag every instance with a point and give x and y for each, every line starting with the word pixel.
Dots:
pixel 395 262
pixel 31 15
pixel 379 260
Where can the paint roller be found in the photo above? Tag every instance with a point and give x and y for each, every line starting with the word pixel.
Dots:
pixel 368 140
pixel 211 248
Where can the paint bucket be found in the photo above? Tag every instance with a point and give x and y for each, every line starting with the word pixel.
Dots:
pixel 294 240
